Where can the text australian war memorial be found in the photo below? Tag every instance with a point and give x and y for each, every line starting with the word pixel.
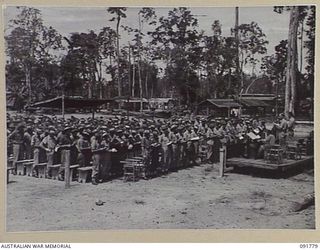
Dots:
pixel 184 117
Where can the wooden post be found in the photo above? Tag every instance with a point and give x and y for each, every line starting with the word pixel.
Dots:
pixel 66 164
pixel 63 111
pixel 222 163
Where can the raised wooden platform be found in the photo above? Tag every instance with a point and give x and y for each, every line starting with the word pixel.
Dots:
pixel 260 163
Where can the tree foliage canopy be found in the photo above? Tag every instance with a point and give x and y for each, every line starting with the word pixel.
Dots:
pixel 165 56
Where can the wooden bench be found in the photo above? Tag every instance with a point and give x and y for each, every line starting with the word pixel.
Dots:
pixel 83 173
pixel 10 167
pixel 138 158
pixel 10 162
pixel 21 167
pixel 8 170
pixel 54 171
pixel 28 167
pixel 72 170
pixel 203 149
pixel 131 160
pixel 42 168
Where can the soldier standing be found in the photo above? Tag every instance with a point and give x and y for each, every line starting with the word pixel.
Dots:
pixel 95 145
pixel 27 143
pixel 63 139
pixel 181 147
pixel 48 144
pixel 173 138
pixel 105 158
pixel 166 150
pixel 210 142
pixel 82 143
pixel 291 125
pixel 35 145
pixel 17 141
pixel 146 147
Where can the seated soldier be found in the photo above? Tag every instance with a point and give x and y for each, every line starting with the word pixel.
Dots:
pixel 269 141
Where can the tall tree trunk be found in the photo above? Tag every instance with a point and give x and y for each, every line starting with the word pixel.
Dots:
pixel 146 84
pixel 90 87
pixel 109 86
pixel 288 76
pixel 139 64
pixel 140 85
pixel 100 81
pixel 129 68
pixel 152 88
pixel 301 47
pixel 237 44
pixel 28 83
pixel 92 83
pixel 118 59
pixel 133 77
pixel 241 71
pixel 292 63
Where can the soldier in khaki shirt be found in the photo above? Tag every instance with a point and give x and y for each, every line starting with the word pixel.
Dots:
pixel 165 145
pixel 174 146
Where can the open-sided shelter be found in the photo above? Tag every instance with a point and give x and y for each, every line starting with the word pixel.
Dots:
pixel 75 103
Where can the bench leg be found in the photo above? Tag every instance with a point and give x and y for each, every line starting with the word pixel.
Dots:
pixel 20 169
pixel 72 173
pixel 29 170
pixel 42 172
pixel 83 176
pixel 54 173
pixel 79 179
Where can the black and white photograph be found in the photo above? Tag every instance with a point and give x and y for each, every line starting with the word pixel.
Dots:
pixel 122 118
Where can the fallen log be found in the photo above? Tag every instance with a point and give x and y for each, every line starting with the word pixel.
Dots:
pixel 307 202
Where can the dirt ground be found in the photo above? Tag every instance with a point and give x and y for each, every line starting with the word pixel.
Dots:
pixel 191 198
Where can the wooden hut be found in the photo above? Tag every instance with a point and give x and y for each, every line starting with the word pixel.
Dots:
pixel 257 103
pixel 254 106
pixel 217 107
pixel 161 104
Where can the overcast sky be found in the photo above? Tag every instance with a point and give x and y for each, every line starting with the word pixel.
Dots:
pixel 67 20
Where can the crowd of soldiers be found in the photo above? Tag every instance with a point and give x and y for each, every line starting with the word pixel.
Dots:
pixel 165 144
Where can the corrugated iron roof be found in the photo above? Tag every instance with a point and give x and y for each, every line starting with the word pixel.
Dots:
pixel 160 100
pixel 71 102
pixel 222 103
pixel 261 97
pixel 130 99
pixel 253 103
